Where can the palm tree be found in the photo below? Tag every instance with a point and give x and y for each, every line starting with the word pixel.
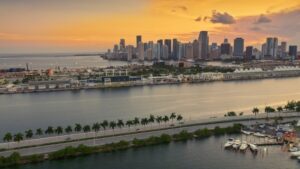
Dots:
pixel 151 119
pixel 268 110
pixel 129 123
pixel 96 127
pixel 68 129
pixel 7 137
pixel 86 128
pixel 144 121
pixel 165 119
pixel 59 130
pixel 39 132
pixel 18 137
pixel 179 118
pixel 173 116
pixel 159 119
pixel 255 111
pixel 279 109
pixel 49 130
pixel 136 121
pixel 112 125
pixel 104 124
pixel 120 123
pixel 28 134
pixel 78 127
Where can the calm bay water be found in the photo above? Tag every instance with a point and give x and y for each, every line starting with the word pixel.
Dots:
pixel 30 111
pixel 198 154
pixel 49 61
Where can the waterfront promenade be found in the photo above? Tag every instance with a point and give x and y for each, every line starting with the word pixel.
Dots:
pixel 50 144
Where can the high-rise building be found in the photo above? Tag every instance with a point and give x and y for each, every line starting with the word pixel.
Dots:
pixel 149 53
pixel 168 42
pixel 293 51
pixel 249 53
pixel 283 50
pixel 203 45
pixel 271 48
pixel 130 49
pixel 175 49
pixel 116 48
pixel 138 40
pixel 189 51
pixel 165 50
pixel 195 49
pixel 238 48
pixel 160 46
pixel 141 51
pixel 122 45
pixel 215 51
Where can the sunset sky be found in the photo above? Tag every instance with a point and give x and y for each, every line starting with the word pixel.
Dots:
pixel 42 26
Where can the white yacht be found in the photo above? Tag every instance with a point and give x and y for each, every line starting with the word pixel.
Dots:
pixel 253 147
pixel 244 146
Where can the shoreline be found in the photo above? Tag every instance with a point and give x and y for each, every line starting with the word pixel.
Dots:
pixel 132 85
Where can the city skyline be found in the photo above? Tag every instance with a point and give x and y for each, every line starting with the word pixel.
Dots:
pixel 75 26
pixel 202 48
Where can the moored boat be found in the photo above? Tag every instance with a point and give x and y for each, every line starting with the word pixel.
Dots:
pixel 246 132
pixel 257 134
pixel 295 154
pixel 244 146
pixel 253 147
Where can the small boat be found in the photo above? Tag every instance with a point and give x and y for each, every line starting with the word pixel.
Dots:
pixel 253 147
pixel 295 154
pixel 293 149
pixel 257 134
pixel 229 143
pixel 246 132
pixel 244 146
pixel 236 145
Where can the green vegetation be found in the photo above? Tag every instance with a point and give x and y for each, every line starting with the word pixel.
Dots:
pixel 160 69
pixel 71 152
pixel 78 128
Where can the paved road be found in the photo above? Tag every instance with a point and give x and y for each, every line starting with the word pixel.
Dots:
pixel 144 133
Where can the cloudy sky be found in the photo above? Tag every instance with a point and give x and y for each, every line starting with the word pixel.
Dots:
pixel 34 26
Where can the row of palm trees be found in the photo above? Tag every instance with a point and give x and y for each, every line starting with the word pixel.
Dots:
pixel 28 134
pixel 269 109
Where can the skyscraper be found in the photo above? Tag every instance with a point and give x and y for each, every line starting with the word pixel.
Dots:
pixel 203 45
pixel 272 48
pixel 165 50
pixel 168 42
pixel 195 49
pixel 129 52
pixel 238 48
pixel 189 51
pixel 141 51
pixel 293 51
pixel 138 40
pixel 175 49
pixel 122 45
pixel 249 53
pixel 283 49
pixel 160 48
